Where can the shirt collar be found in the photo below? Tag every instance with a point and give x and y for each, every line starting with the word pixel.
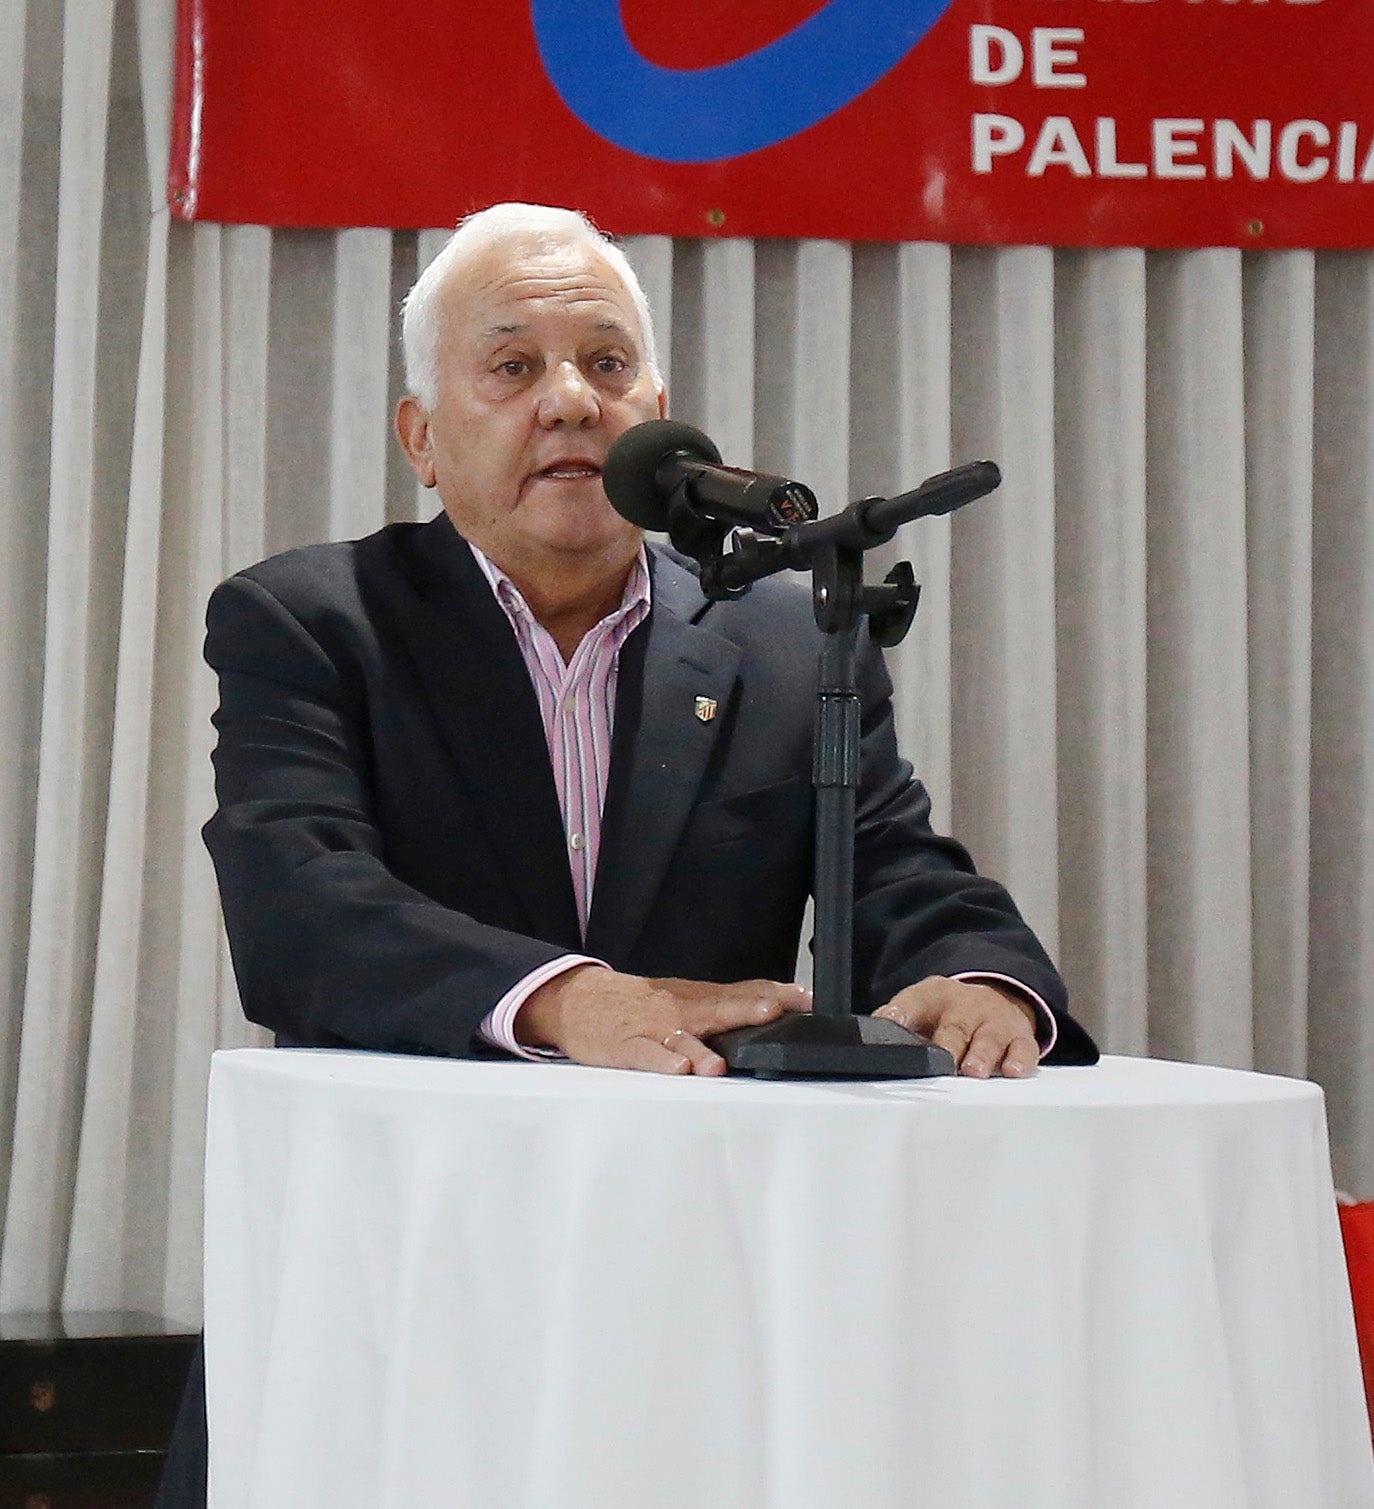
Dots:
pixel 636 595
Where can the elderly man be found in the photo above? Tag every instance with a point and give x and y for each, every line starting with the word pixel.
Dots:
pixel 505 781
pixel 468 797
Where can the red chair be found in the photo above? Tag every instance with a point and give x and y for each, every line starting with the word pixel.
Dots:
pixel 1357 1230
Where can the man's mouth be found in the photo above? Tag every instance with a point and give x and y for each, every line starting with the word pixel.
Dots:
pixel 569 471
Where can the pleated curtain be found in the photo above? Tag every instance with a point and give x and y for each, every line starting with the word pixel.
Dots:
pixel 1140 684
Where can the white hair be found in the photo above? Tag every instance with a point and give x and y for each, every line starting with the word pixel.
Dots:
pixel 500 222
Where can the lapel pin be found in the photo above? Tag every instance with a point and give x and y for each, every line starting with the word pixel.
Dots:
pixel 706 708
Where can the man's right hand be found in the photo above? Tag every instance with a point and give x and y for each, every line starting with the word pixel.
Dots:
pixel 598 1016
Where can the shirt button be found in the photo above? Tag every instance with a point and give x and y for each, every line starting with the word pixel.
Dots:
pixel 578 841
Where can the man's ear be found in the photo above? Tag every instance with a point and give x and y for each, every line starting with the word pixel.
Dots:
pixel 662 403
pixel 412 429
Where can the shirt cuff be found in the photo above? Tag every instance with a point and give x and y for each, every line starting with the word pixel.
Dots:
pixel 1047 1032
pixel 498 1026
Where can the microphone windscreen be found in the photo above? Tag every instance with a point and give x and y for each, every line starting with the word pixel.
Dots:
pixel 630 475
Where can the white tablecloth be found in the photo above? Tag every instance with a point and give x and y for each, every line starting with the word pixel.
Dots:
pixel 526 1286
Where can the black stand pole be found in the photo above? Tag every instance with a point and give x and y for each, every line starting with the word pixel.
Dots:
pixel 832 1040
pixel 835 777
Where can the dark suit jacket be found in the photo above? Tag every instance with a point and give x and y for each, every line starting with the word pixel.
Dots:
pixel 390 852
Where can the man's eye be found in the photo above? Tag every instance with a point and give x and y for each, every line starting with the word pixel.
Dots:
pixel 513 367
pixel 611 364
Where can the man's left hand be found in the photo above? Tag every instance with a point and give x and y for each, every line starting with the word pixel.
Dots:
pixel 988 1031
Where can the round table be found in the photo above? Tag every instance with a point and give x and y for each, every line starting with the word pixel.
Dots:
pixel 535 1286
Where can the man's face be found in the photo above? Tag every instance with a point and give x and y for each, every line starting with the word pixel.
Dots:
pixel 541 367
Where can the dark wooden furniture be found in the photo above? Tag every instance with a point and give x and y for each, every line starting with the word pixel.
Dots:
pixel 87 1402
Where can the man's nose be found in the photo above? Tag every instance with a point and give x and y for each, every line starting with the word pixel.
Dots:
pixel 568 397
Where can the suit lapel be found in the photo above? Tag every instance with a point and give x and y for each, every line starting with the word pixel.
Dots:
pixel 659 753
pixel 472 671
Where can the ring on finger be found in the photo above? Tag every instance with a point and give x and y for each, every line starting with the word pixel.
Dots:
pixel 676 1032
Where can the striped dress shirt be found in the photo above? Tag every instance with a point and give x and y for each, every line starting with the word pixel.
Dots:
pixel 577 705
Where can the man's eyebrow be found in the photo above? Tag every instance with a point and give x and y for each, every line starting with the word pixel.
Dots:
pixel 623 333
pixel 504 330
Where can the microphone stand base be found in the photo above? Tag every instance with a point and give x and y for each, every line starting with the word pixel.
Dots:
pixel 831 1047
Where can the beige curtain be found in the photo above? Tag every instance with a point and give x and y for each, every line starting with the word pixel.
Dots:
pixel 1141 683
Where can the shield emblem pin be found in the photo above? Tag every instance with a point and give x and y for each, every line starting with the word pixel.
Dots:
pixel 706 708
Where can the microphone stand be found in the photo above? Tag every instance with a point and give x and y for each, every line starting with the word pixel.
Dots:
pixel 832 1040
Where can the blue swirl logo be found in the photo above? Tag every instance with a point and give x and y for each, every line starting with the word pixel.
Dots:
pixel 706 114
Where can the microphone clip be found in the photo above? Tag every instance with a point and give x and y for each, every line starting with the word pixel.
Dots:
pixel 840 598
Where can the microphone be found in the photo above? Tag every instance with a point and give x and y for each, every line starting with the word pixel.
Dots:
pixel 652 461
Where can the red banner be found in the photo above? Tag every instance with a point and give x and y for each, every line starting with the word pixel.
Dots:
pixel 1068 122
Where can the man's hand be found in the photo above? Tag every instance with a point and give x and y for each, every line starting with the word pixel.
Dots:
pixel 598 1016
pixel 986 1029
